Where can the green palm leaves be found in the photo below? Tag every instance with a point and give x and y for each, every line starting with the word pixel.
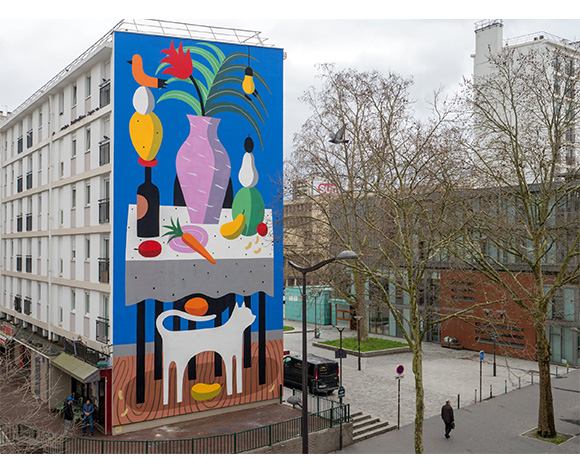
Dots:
pixel 218 83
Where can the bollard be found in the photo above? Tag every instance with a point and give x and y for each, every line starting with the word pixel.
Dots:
pixel 505 386
pixel 476 396
pixel 519 382
pixel 532 379
pixel 556 371
pixel 567 367
pixel 490 391
pixel 458 402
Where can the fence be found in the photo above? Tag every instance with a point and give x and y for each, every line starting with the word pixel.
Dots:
pixel 20 438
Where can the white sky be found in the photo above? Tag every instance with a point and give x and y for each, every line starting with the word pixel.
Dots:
pixel 434 48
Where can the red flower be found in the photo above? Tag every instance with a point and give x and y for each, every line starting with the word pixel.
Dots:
pixel 182 67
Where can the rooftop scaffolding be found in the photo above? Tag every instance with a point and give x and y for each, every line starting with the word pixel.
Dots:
pixel 152 27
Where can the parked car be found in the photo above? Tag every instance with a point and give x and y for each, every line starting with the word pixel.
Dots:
pixel 322 373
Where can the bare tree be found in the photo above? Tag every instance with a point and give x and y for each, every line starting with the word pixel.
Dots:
pixel 394 203
pixel 523 231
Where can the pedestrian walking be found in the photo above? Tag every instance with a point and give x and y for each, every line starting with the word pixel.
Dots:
pixel 68 415
pixel 447 416
pixel 88 409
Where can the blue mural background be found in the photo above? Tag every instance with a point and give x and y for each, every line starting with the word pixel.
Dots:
pixel 233 130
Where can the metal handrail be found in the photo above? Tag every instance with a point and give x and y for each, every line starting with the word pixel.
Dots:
pixel 237 442
pixel 154 27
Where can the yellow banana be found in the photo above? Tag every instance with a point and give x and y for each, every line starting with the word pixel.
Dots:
pixel 233 230
pixel 146 134
pixel 203 392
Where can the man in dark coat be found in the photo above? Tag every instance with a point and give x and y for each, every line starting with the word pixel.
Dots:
pixel 447 416
pixel 68 415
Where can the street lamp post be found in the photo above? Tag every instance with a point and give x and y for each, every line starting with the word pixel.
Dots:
pixel 342 256
pixel 358 319
pixel 494 336
pixel 340 329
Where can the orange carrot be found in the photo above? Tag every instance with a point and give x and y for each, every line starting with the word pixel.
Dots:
pixel 194 244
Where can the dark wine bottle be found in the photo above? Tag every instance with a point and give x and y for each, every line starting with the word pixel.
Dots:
pixel 147 208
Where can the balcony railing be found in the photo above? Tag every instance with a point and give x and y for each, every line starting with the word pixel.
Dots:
pixel 18 303
pixel 105 94
pixel 27 306
pixel 104 211
pixel 104 270
pixel 104 153
pixel 102 330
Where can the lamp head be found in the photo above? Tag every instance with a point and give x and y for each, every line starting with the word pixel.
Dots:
pixel 347 254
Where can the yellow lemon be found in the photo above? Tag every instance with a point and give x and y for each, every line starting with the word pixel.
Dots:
pixel 146 134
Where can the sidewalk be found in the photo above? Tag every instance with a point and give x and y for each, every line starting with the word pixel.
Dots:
pixel 492 426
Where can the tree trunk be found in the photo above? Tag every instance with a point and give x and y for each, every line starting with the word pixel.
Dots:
pixel 546 423
pixel 419 396
pixel 361 306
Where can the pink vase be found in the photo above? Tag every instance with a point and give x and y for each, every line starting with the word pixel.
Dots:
pixel 203 168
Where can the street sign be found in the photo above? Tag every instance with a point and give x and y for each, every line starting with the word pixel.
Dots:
pixel 341 392
pixel 481 355
pixel 400 369
pixel 340 353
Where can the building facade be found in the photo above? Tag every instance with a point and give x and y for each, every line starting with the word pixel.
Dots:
pixel 137 225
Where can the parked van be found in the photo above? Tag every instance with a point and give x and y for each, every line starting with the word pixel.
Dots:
pixel 322 373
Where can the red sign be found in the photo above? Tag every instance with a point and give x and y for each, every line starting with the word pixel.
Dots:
pixel 326 188
pixel 400 369
pixel 8 329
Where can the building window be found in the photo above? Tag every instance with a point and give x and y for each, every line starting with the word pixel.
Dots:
pixel 87 248
pixel 73 300
pixel 104 152
pixel 105 93
pixel 88 194
pixel 88 86
pixel 87 303
pixel 74 95
pixel 74 147
pixel 88 139
pixel 73 197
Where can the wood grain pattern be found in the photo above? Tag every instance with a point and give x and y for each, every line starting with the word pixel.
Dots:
pixel 127 411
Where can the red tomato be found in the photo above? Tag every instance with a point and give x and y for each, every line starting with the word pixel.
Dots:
pixel 262 229
pixel 150 249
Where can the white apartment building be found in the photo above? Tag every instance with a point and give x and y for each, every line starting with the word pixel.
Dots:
pixel 565 66
pixel 55 228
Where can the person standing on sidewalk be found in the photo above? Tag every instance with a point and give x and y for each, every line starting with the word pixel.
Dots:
pixel 448 418
pixel 88 410
pixel 68 415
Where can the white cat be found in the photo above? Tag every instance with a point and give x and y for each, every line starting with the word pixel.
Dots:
pixel 227 340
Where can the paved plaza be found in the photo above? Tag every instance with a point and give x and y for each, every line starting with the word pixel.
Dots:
pixel 447 374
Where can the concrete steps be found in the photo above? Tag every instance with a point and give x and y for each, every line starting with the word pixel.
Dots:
pixel 365 427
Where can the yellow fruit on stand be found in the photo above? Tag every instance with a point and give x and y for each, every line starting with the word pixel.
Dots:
pixel 146 134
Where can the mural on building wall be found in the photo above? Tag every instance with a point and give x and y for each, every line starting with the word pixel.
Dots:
pixel 198 145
